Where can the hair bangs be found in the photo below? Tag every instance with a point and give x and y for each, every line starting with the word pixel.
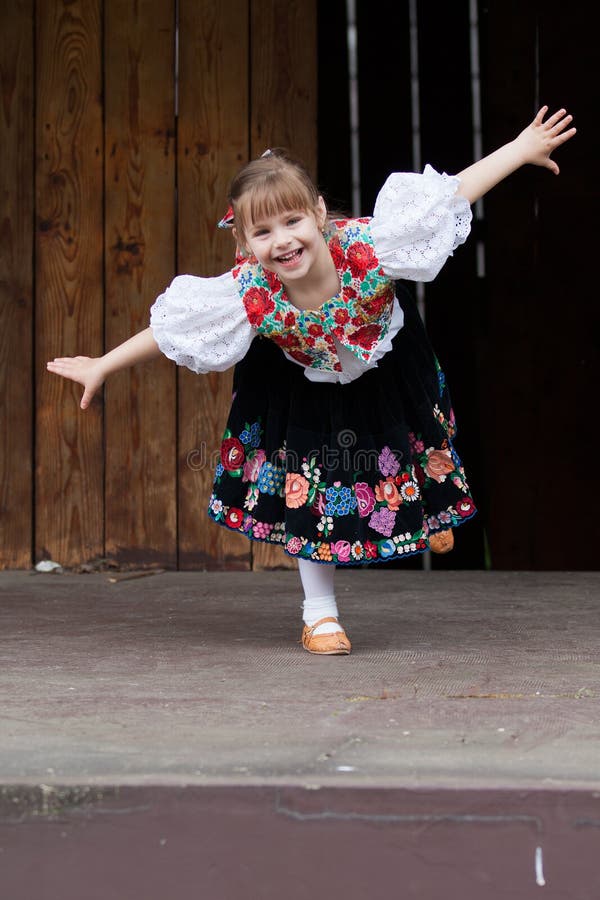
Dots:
pixel 271 195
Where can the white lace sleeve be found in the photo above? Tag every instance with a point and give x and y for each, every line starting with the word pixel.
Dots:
pixel 201 323
pixel 419 220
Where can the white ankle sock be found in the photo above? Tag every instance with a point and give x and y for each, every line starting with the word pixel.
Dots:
pixel 319 595
pixel 317 608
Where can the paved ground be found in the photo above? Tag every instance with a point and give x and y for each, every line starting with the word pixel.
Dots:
pixel 456 679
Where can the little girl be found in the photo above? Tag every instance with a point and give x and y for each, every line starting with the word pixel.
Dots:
pixel 338 445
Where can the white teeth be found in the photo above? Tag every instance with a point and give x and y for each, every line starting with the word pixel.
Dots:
pixel 289 256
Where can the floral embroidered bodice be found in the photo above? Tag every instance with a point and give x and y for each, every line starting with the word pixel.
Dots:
pixel 358 316
pixel 208 324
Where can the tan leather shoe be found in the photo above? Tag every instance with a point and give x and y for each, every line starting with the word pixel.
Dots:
pixel 442 542
pixel 325 644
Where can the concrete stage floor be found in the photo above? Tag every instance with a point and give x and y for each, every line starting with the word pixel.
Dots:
pixel 167 737
pixel 456 678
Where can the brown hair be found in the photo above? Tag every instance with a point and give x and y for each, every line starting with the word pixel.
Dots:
pixel 268 186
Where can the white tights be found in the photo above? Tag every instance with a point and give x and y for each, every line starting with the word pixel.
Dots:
pixel 319 594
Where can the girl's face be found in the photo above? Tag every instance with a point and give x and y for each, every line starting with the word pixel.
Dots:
pixel 289 243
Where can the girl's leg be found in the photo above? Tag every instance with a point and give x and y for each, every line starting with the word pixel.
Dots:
pixel 319 595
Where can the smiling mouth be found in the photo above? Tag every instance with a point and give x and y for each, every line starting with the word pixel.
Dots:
pixel 290 257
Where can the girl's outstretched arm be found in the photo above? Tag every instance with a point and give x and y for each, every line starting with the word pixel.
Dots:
pixel 91 372
pixel 534 145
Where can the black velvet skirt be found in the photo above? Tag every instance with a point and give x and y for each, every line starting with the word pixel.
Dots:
pixel 342 474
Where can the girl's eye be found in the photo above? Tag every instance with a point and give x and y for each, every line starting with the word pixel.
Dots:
pixel 294 220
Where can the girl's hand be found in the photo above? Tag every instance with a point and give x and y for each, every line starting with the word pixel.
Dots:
pixel 538 140
pixel 84 370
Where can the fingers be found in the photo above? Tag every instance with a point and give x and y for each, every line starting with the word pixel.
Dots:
pixel 62 362
pixel 552 134
pixel 561 125
pixel 69 359
pixel 68 366
pixel 86 399
pixel 554 118
pixel 81 369
pixel 557 122
pixel 63 367
pixel 549 123
pixel 561 138
pixel 74 369
pixel 56 365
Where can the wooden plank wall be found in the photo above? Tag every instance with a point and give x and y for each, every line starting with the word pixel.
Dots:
pixel 112 182
pixel 69 297
pixel 213 142
pixel 16 282
pixel 113 177
pixel 139 260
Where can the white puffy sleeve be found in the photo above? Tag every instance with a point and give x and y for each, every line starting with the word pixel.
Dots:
pixel 201 323
pixel 419 220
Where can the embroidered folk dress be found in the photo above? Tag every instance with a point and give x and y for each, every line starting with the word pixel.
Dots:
pixel 339 441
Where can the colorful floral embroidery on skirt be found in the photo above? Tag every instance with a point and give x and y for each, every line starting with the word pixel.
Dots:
pixel 376 503
pixel 378 500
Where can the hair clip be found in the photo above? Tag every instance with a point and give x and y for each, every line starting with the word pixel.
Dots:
pixel 227 220
pixel 267 153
